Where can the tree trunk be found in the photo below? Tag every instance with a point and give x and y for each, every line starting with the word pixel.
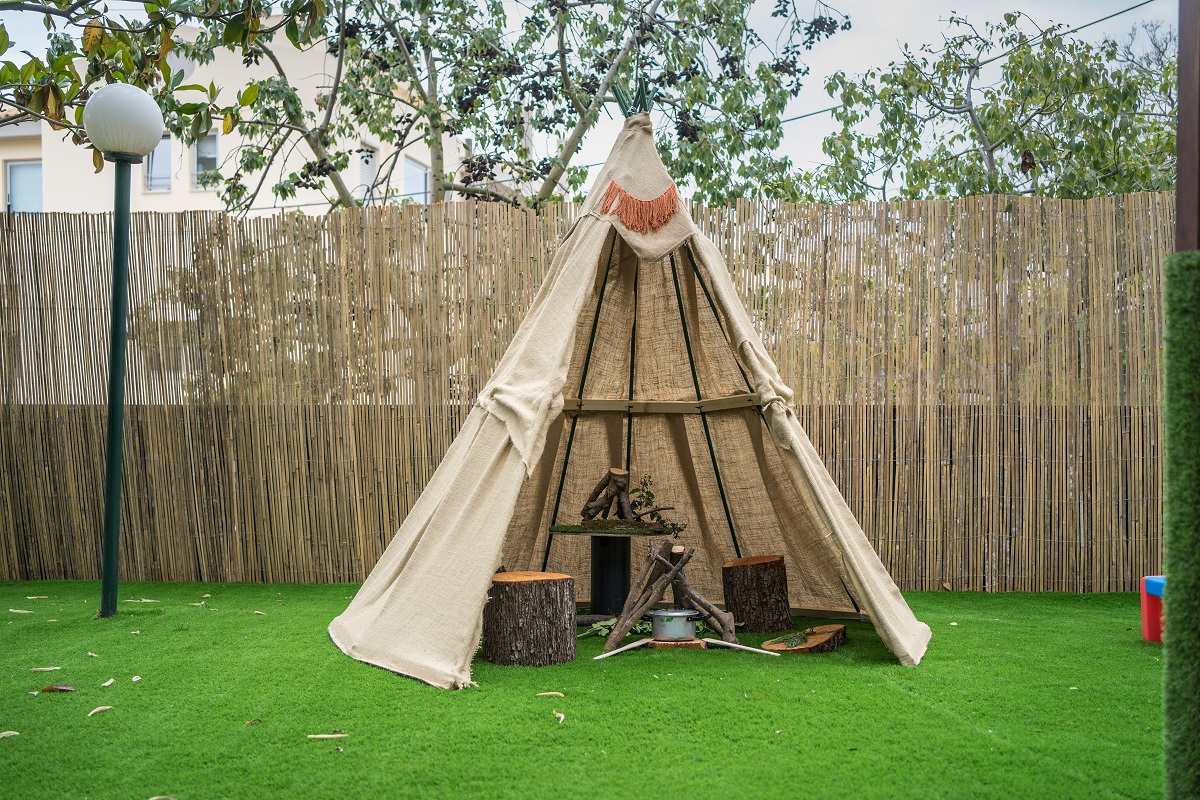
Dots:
pixel 530 619
pixel 756 593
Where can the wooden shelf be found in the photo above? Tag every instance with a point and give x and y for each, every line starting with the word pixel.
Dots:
pixel 578 530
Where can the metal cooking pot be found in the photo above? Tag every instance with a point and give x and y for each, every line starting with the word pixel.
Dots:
pixel 674 624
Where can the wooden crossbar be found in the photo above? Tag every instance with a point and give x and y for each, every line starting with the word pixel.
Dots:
pixel 574 405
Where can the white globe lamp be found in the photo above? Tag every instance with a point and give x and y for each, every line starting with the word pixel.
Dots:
pixel 120 118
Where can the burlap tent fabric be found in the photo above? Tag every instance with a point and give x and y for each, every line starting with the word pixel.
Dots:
pixel 638 307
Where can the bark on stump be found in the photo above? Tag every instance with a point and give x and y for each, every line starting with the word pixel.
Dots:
pixel 530 619
pixel 756 592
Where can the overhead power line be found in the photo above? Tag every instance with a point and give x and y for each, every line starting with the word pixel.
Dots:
pixel 993 58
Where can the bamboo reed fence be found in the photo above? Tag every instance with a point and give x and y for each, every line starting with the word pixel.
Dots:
pixel 982 377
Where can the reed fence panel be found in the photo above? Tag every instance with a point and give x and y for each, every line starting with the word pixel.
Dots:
pixel 982 377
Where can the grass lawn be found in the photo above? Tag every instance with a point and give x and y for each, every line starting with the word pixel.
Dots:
pixel 1031 696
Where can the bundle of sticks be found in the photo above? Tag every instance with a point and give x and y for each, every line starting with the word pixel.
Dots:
pixel 664 568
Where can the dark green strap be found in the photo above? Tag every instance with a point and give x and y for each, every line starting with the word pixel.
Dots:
pixel 713 307
pixel 587 360
pixel 712 453
pixel 637 271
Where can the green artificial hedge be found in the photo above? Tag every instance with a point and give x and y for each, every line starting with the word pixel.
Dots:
pixel 1181 417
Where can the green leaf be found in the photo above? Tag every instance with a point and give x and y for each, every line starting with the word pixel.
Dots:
pixel 248 95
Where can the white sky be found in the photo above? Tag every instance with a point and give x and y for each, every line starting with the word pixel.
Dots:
pixel 879 29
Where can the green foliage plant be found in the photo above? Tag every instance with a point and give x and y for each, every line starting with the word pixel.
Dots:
pixel 1181 522
pixel 1011 108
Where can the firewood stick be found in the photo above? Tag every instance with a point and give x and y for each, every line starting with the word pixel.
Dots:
pixel 723 619
pixel 638 643
pixel 736 647
pixel 649 565
pixel 624 511
pixel 641 514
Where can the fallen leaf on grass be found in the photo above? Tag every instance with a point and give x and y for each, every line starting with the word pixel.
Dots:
pixel 51 620
pixel 58 687
pixel 252 721
pixel 136 633
pixel 953 623
pixel 328 735
pixel 37 597
pixel 550 694
pixel 43 669
pixel 93 655
pixel 98 709
pixel 35 694
pixel 136 678
pixel 205 596
pixel 560 717
pixel 109 682
pixel 6 734
pixel 260 613
pixel 163 797
pixel 20 611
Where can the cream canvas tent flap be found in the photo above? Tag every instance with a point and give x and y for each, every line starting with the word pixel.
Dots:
pixel 636 351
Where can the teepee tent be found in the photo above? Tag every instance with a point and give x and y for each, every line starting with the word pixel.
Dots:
pixel 636 351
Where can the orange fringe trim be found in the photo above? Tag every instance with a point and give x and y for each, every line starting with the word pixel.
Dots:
pixel 642 216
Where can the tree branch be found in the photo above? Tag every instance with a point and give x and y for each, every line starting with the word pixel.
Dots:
pixel 587 119
pixel 568 89
pixel 481 191
pixel 312 138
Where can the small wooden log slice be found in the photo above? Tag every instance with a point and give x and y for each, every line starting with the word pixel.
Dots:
pixel 529 619
pixel 822 639
pixel 756 593
pixel 677 644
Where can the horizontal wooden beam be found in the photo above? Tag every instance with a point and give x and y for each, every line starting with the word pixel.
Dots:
pixel 574 405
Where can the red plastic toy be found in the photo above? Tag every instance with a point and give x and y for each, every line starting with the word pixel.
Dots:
pixel 1153 617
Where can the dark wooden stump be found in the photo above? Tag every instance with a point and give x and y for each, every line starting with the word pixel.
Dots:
pixel 530 619
pixel 756 593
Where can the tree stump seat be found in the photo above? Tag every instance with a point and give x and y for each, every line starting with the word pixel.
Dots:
pixel 756 593
pixel 529 619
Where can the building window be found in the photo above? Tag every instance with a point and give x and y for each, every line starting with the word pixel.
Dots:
pixel 204 159
pixel 158 167
pixel 24 182
pixel 367 168
pixel 416 181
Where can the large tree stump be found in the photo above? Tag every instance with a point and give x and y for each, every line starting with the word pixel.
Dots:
pixel 530 619
pixel 756 592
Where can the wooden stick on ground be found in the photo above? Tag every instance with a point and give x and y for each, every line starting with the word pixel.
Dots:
pixel 737 646
pixel 638 643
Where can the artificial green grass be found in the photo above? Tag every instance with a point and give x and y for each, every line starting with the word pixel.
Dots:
pixel 1181 523
pixel 1027 696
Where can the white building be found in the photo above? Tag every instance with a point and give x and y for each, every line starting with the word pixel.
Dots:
pixel 41 170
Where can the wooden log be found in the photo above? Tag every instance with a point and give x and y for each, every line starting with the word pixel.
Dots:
pixel 820 639
pixel 676 595
pixel 756 593
pixel 529 619
pixel 614 486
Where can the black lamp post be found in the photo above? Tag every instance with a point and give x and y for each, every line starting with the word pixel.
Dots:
pixel 125 124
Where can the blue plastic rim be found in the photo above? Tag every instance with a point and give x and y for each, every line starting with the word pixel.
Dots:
pixel 1155 585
